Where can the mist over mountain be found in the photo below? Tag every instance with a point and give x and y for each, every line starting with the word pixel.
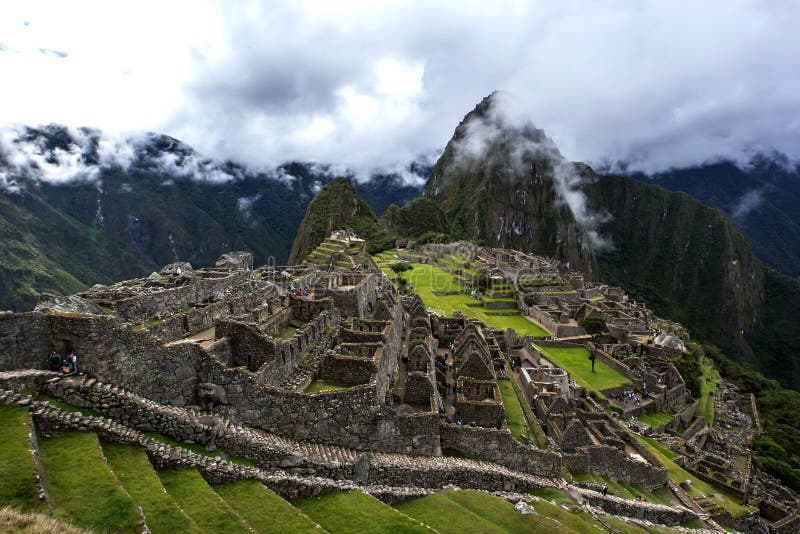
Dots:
pixel 502 182
pixel 79 208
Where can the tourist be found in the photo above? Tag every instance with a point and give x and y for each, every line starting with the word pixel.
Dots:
pixel 604 491
pixel 55 361
pixel 72 362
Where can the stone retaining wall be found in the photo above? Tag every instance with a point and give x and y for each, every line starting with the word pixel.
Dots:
pixel 499 446
pixel 664 515
pixel 605 460
pixel 169 301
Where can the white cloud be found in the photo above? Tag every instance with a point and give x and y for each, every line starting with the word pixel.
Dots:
pixel 747 202
pixel 373 85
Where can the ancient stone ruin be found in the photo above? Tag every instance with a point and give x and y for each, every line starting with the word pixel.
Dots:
pixel 326 378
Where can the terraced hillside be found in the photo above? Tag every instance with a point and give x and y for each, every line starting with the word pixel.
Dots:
pixel 94 484
pixel 334 253
pixel 444 292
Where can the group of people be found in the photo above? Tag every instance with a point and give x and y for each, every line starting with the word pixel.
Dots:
pixel 66 365
pixel 299 291
pixel 627 396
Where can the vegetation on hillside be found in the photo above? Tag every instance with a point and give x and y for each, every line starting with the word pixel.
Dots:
pixel 777 451
pixel 338 206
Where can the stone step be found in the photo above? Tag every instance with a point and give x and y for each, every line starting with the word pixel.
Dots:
pixel 309 453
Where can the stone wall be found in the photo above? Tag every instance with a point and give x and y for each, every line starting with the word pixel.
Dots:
pixel 349 370
pixel 663 515
pixel 610 461
pixel 249 347
pixel 499 446
pixel 170 301
pixel 24 341
pixel 418 388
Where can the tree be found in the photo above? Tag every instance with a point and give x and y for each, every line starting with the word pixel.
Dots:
pixel 401 267
pixel 594 326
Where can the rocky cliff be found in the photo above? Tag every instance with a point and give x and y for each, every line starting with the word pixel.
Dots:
pixel 503 182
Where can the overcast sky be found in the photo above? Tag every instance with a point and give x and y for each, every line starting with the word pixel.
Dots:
pixel 365 85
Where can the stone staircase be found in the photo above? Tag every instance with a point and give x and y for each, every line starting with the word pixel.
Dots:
pixel 49 418
pixel 272 451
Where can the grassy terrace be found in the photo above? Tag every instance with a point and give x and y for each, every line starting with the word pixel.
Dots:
pixel 629 491
pixel 356 512
pixel 262 509
pixel 426 279
pixel 656 419
pixel 708 388
pixel 322 385
pixel 698 488
pixel 516 421
pixel 472 511
pixel 195 448
pixel 576 362
pixel 200 502
pixel 133 469
pixel 17 467
pixel 82 488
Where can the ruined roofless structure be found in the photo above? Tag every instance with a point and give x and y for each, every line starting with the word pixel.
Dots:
pixel 341 385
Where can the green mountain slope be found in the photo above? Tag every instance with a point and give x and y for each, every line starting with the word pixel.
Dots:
pixel 505 184
pixel 336 206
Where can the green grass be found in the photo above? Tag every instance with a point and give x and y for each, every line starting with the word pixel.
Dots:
pixel 516 421
pixel 516 410
pixel 659 447
pixel 476 512
pixel 321 385
pixel 287 332
pixel 82 488
pixel 195 448
pixel 200 502
pixel 625 490
pixel 427 278
pixel 576 362
pixel 551 494
pixel 17 466
pixel 265 511
pixel 133 469
pixel 708 387
pixel 656 419
pixel 63 406
pixel 356 512
pixel 677 474
pixel 574 520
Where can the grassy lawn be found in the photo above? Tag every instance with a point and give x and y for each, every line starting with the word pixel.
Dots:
pixel 708 387
pixel 262 509
pixel 677 474
pixel 356 512
pixel 514 418
pixel 659 447
pixel 322 385
pixel 81 486
pixel 426 279
pixel 200 502
pixel 551 494
pixel 133 469
pixel 473 511
pixel 656 419
pixel 576 362
pixel 17 467
pixel 570 521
